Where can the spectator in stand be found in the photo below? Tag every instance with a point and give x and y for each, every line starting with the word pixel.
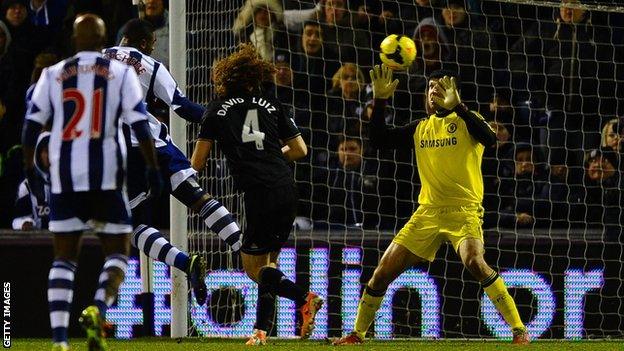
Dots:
pixel 474 50
pixel 351 44
pixel 24 34
pixel 413 12
pixel 599 203
pixel 501 110
pixel 5 39
pixel 557 192
pixel 345 191
pixel 48 14
pixel 284 79
pixel 379 17
pixel 497 160
pixel 42 61
pixel 520 204
pixel 611 136
pixel 6 67
pixel 12 176
pixel 22 42
pixel 345 102
pixel 157 15
pixel 261 22
pixel 339 32
pixel 582 79
pixel 311 61
pixel 432 54
pixel 432 45
pixel 28 213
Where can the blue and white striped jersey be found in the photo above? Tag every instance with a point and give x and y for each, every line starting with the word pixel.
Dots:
pixel 86 96
pixel 28 209
pixel 156 81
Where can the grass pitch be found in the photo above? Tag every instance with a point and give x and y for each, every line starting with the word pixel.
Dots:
pixel 166 344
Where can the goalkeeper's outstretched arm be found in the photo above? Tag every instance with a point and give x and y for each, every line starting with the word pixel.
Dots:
pixel 477 126
pixel 382 137
pixel 448 98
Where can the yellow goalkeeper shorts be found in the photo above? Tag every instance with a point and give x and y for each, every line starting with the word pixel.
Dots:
pixel 430 226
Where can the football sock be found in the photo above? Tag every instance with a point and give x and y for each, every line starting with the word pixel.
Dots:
pixel 153 244
pixel 265 309
pixel 367 308
pixel 112 276
pixel 283 286
pixel 221 221
pixel 497 292
pixel 60 295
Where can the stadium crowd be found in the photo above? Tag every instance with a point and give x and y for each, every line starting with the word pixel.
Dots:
pixel 549 80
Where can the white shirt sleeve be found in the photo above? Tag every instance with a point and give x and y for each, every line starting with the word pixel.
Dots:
pixel 132 106
pixel 165 86
pixel 41 108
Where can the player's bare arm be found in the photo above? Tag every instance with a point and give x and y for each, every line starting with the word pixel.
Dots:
pixel 200 154
pixel 295 149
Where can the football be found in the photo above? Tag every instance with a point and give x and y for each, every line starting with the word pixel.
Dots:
pixel 397 51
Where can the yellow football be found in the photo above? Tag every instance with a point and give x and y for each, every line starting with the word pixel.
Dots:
pixel 397 51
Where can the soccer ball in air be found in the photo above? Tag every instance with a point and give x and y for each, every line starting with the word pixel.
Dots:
pixel 397 51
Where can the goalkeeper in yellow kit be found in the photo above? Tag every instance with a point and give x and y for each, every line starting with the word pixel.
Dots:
pixel 449 146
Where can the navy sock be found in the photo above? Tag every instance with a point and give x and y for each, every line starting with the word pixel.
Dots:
pixel 265 309
pixel 283 286
pixel 151 242
pixel 60 294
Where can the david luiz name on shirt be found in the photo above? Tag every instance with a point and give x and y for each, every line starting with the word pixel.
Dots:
pixel 254 100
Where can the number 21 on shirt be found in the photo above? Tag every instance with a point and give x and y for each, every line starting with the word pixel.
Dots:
pixel 251 130
pixel 77 98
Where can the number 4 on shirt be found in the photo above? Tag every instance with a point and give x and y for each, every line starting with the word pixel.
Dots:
pixel 74 95
pixel 251 130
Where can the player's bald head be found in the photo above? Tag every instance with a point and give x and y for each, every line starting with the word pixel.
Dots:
pixel 89 32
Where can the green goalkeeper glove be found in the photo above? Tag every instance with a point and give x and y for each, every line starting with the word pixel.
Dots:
pixel 381 78
pixel 449 96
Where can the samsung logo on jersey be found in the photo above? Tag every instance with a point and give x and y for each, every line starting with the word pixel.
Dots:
pixel 229 103
pixel 438 142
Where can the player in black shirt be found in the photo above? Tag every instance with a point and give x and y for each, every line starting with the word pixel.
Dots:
pixel 259 141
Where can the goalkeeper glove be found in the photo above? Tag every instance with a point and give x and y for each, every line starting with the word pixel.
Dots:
pixel 449 97
pixel 383 85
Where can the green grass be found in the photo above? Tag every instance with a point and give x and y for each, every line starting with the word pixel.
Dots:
pixel 166 344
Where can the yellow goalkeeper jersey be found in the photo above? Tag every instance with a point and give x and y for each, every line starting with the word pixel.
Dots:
pixel 449 162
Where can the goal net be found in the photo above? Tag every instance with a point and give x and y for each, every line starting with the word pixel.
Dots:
pixel 548 79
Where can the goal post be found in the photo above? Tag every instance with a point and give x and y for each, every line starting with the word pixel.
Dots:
pixel 178 212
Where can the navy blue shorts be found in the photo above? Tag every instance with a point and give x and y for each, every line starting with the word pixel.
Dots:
pixel 270 213
pixel 174 166
pixel 105 211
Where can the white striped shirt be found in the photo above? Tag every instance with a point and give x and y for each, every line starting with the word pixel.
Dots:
pixel 156 81
pixel 86 96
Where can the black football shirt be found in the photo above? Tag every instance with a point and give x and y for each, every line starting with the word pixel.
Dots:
pixel 250 130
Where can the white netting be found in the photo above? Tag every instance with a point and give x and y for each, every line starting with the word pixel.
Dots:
pixel 554 233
